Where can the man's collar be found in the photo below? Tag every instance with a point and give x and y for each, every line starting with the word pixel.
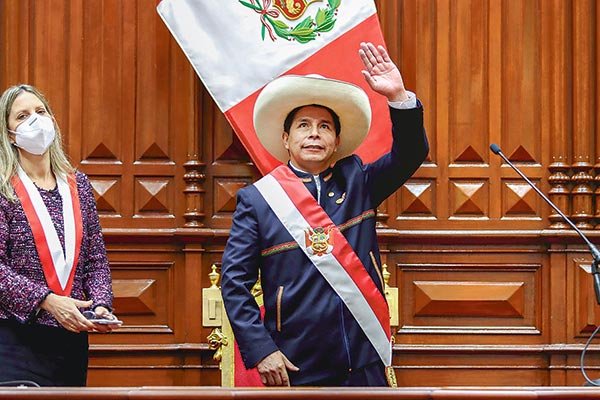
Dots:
pixel 325 175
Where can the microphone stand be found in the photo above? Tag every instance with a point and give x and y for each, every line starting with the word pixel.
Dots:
pixel 593 249
pixel 591 246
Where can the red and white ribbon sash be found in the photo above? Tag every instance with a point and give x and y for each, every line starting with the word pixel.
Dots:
pixel 298 211
pixel 59 268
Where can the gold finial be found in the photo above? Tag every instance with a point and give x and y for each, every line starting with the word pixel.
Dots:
pixel 386 275
pixel 214 276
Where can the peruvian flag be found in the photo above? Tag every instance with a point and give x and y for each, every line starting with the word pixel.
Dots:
pixel 238 46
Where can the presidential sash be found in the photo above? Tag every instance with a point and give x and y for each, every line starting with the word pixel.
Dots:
pixel 59 268
pixel 330 252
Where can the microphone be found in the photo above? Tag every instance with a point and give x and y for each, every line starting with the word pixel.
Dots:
pixel 593 249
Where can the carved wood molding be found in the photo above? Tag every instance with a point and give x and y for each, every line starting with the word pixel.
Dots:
pixel 194 192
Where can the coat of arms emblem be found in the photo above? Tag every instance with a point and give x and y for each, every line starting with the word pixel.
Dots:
pixel 292 9
pixel 311 26
pixel 319 241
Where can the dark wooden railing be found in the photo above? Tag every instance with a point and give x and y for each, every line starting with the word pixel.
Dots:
pixel 217 393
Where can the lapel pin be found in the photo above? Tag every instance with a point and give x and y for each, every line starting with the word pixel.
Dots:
pixel 341 199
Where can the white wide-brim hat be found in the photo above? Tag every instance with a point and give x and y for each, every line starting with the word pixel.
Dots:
pixel 282 95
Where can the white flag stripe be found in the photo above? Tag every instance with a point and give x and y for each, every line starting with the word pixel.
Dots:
pixel 61 266
pixel 328 266
pixel 231 72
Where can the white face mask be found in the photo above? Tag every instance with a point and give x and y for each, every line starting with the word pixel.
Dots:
pixel 35 134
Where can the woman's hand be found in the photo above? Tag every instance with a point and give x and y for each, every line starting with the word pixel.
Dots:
pixel 102 312
pixel 66 311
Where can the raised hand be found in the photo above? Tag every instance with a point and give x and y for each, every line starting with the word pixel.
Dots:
pixel 381 73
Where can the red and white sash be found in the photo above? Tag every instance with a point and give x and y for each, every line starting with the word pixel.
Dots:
pixel 300 213
pixel 59 268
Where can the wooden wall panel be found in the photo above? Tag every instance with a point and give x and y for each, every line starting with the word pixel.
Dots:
pixel 583 112
pixel 485 88
pixel 476 295
pixel 556 98
pixel 126 107
pixel 467 93
pixel 476 65
pixel 231 167
pixel 520 77
pixel 583 310
pixel 106 87
pixel 144 296
pixel 456 368
pixel 493 289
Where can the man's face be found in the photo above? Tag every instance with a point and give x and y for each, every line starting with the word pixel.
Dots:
pixel 311 140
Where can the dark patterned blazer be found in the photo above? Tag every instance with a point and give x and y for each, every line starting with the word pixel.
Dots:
pixel 22 283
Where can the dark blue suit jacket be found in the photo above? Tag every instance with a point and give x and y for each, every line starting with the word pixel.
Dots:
pixel 304 317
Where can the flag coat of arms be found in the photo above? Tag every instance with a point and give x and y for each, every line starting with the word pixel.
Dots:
pixel 238 46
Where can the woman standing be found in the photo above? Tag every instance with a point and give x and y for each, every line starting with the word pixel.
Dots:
pixel 53 262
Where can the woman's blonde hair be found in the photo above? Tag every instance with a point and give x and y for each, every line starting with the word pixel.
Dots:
pixel 9 155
